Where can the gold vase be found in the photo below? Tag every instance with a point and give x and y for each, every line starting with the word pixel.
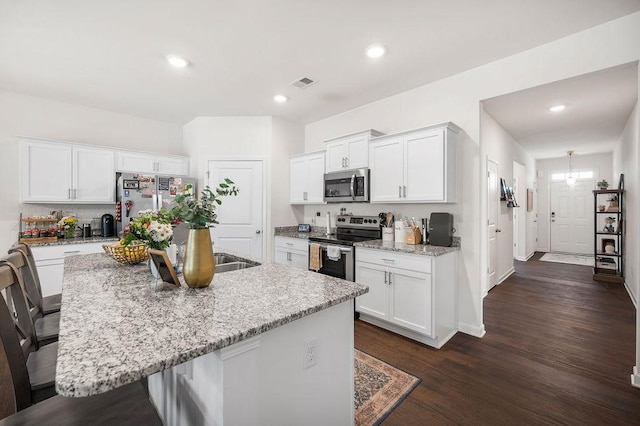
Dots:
pixel 199 265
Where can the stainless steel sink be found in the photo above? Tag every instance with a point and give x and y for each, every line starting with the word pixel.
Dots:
pixel 226 262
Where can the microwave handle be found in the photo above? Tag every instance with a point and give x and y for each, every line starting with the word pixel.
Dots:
pixel 352 186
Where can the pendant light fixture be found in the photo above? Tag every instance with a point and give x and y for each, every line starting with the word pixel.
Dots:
pixel 571 179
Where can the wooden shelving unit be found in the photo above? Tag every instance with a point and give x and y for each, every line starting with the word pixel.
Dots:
pixel 29 221
pixel 609 263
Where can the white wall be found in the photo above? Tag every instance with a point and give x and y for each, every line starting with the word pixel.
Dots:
pixel 601 163
pixel 457 99
pixel 22 115
pixel 271 139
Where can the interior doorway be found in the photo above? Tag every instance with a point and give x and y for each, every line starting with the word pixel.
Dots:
pixel 493 207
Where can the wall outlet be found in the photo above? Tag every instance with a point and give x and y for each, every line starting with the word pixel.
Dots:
pixel 310 353
pixel 318 214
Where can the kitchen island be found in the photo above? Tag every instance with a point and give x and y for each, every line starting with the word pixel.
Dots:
pixel 241 351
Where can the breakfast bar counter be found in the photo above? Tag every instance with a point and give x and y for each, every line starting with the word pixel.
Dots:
pixel 254 325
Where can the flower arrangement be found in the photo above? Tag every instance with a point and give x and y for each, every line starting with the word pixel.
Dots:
pixel 153 228
pixel 201 213
pixel 68 225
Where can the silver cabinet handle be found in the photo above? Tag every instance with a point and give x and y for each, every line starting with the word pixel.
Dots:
pixel 404 192
pixel 71 251
pixel 390 278
pixel 385 277
pixel 289 256
pixel 346 162
pixel 399 191
pixel 389 260
pixel 304 196
pixel 289 244
pixel 69 193
pixel 75 194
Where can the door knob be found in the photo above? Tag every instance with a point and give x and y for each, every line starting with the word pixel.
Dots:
pixel 498 230
pixel 258 231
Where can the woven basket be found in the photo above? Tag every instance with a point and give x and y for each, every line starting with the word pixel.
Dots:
pixel 131 254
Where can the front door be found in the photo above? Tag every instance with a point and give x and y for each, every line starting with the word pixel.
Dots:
pixel 572 217
pixel 241 217
pixel 493 203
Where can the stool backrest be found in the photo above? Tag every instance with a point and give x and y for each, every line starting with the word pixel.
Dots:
pixel 31 279
pixel 9 282
pixel 20 262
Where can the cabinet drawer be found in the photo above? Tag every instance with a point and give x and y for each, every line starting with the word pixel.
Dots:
pixel 396 260
pixel 63 250
pixel 292 243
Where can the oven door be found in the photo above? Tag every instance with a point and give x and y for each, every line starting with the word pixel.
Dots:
pixel 344 267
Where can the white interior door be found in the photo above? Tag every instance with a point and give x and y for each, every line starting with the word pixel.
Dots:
pixel 241 217
pixel 493 204
pixel 572 217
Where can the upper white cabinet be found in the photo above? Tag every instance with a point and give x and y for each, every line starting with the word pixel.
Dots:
pixel 66 173
pixel 128 161
pixel 307 178
pixel 349 152
pixel 415 166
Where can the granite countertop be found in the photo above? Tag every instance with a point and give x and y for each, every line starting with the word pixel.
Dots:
pixel 292 232
pixel 75 240
pixel 115 329
pixel 422 249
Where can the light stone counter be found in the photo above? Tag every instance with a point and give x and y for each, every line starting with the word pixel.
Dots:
pixel 425 250
pixel 75 240
pixel 115 329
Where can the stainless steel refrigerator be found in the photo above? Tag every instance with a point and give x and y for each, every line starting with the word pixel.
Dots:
pixel 139 191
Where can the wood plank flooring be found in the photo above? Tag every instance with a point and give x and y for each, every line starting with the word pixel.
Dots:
pixel 559 349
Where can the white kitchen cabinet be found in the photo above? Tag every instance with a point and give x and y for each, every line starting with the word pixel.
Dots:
pixel 50 263
pixel 292 252
pixel 349 152
pixel 417 166
pixel 54 172
pixel 307 178
pixel 129 161
pixel 412 295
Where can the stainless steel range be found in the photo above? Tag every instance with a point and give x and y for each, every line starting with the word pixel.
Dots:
pixel 337 250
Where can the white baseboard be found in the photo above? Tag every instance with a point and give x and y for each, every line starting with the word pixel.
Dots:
pixel 635 377
pixel 506 275
pixel 520 258
pixel 530 255
pixel 630 293
pixel 472 330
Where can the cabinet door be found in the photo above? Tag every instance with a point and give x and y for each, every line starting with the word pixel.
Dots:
pixel 299 180
pixel 376 301
pixel 336 156
pixel 411 300
pixel 315 187
pixel 50 273
pixel 385 160
pixel 299 260
pixel 281 256
pixel 134 162
pixel 424 160
pixel 357 149
pixel 94 175
pixel 45 172
pixel 172 166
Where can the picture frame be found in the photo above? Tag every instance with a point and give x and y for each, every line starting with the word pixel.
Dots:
pixel 130 184
pixel 165 269
pixel 529 200
pixel 304 227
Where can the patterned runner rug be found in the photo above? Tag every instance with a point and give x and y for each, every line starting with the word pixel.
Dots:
pixel 379 388
pixel 575 259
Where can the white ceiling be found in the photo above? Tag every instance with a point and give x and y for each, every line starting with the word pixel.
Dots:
pixel 598 106
pixel 110 54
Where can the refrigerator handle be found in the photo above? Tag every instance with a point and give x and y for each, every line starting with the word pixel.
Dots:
pixel 155 202
pixel 159 206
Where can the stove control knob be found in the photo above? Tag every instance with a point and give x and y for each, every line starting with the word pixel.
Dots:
pixel 375 221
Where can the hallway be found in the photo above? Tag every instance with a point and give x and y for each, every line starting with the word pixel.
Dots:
pixel 559 349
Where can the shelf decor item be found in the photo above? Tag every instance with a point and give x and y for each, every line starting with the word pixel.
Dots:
pixel 68 225
pixel 130 254
pixel 603 184
pixel 200 215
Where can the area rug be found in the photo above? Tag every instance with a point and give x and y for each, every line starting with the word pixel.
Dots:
pixel 379 389
pixel 574 259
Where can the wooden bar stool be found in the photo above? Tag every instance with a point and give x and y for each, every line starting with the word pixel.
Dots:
pixel 46 327
pixel 127 405
pixel 41 364
pixel 48 304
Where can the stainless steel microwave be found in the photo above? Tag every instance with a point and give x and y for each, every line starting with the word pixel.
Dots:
pixel 349 186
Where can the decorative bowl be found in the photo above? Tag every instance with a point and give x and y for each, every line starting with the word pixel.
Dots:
pixel 131 254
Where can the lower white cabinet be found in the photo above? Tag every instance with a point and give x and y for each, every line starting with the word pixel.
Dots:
pixel 50 263
pixel 412 295
pixel 292 252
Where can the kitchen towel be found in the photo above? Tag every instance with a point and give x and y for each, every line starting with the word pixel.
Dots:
pixel 315 257
pixel 333 252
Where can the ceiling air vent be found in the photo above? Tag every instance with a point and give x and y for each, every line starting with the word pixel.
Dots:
pixel 303 83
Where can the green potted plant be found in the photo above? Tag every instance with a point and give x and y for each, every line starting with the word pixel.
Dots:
pixel 200 215
pixel 603 184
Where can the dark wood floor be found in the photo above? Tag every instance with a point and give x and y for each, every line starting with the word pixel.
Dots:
pixel 559 349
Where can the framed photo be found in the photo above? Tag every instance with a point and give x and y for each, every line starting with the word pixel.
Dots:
pixel 304 227
pixel 130 184
pixel 164 267
pixel 529 200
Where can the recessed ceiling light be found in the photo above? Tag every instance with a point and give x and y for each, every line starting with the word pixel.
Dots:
pixel 177 61
pixel 376 51
pixel 280 98
pixel 557 108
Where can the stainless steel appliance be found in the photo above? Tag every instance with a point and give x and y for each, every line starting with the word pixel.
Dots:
pixel 349 230
pixel 441 229
pixel 139 191
pixel 349 186
pixel 108 225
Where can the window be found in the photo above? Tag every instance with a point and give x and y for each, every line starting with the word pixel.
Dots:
pixel 579 174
